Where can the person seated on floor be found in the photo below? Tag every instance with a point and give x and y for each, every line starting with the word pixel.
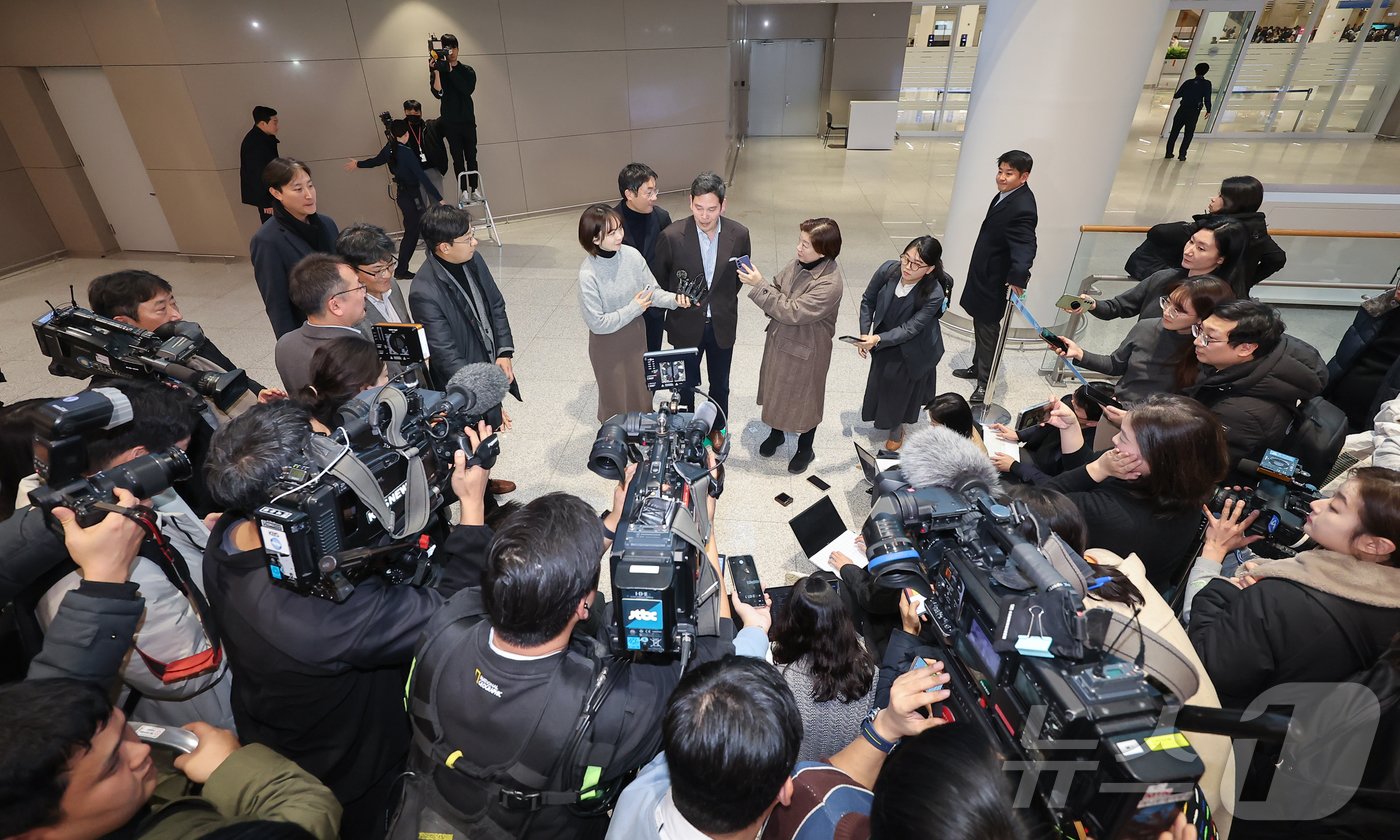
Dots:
pixel 1365 370
pixel 341 369
pixel 952 410
pixel 1042 441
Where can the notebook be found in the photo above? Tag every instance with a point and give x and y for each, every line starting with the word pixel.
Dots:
pixel 820 530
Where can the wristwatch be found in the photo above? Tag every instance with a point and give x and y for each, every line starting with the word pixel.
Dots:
pixel 867 731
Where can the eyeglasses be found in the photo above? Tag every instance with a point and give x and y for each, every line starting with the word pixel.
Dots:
pixel 361 287
pixel 1197 331
pixel 1167 306
pixel 908 263
pixel 378 272
pixel 469 236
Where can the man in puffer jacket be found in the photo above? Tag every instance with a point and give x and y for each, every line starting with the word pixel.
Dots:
pixel 1253 376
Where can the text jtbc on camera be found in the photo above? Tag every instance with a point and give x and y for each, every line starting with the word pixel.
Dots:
pixel 1283 498
pixel 1025 663
pixel 82 344
pixel 358 501
pixel 659 573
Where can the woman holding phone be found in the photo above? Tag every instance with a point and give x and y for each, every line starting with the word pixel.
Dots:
pixel 801 303
pixel 902 336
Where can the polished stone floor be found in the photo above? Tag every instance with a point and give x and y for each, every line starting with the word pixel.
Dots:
pixel 881 200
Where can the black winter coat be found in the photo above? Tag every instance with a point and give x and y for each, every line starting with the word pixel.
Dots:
pixel 454 337
pixel 1165 242
pixel 1362 333
pixel 919 339
pixel 1257 400
pixel 1002 256
pixel 256 152
pixel 275 249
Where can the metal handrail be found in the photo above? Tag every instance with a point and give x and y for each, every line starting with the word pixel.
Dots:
pixel 1339 234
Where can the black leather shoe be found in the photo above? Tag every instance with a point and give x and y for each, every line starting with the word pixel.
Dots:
pixel 979 395
pixel 771 444
pixel 403 275
pixel 965 373
pixel 801 461
pixel 1171 155
pixel 1181 157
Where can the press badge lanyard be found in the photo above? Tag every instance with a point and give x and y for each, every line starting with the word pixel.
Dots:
pixel 1030 319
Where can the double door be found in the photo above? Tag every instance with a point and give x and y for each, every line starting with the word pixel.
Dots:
pixel 785 88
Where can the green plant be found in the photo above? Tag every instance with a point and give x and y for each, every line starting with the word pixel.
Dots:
pixel 1177 52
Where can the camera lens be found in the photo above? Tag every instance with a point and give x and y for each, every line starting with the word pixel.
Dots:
pixel 608 457
pixel 150 474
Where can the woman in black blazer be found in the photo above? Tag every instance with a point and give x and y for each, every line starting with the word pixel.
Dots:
pixel 294 231
pixel 899 326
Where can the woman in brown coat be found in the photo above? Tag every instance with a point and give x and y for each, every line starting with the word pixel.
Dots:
pixel 801 304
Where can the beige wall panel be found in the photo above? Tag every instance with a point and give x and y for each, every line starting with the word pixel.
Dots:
pixel 9 158
pixel 392 80
pixel 549 26
pixel 867 63
pixel 505 183
pixel 679 153
pixel 658 24
pixel 840 103
pixel 569 93
pixel 807 20
pixel 242 213
pixel 563 171
pixel 73 209
pixel 158 111
pixel 30 120
pixel 676 87
pixel 29 235
pixel 359 196
pixel 198 212
pixel 33 30
pixel 873 20
pixel 203 32
pixel 322 107
pixel 386 30
pixel 126 31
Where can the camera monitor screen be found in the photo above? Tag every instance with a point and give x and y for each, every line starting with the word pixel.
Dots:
pixel 672 369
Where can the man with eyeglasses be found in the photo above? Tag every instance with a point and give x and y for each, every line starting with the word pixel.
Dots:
pixel 370 250
pixel 329 290
pixel 1253 375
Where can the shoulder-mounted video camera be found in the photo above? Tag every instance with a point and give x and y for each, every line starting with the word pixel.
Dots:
pixel 1283 499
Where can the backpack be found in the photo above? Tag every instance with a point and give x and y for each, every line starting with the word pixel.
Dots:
pixel 946 281
pixel 543 775
pixel 1316 436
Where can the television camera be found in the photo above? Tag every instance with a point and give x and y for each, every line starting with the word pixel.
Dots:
pixel 438 53
pixel 660 577
pixel 358 501
pixel 1042 677
pixel 82 344
pixel 1283 499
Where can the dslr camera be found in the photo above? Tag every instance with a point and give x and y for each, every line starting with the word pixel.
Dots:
pixel 1283 499
pixel 357 502
pixel 659 572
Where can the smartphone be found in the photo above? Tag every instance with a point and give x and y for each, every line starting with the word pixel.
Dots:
pixel 818 483
pixel 746 583
pixel 1103 396
pixel 783 499
pixel 746 261
pixel 1071 302
pixel 1035 415
pixel 1053 340
pixel 849 339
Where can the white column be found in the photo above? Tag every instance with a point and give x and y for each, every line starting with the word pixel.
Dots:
pixel 1047 84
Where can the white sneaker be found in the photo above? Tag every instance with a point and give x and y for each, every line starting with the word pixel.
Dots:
pixel 477 196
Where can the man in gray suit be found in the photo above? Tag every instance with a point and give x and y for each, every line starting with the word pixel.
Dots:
pixel 329 291
pixel 370 250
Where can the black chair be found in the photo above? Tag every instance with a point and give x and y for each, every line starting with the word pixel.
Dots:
pixel 830 127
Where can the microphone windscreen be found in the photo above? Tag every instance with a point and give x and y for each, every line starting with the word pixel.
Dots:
pixel 937 456
pixel 482 386
pixel 705 416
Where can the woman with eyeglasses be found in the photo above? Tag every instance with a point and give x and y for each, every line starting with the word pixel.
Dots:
pixel 1216 247
pixel 901 334
pixel 294 231
pixel 1156 356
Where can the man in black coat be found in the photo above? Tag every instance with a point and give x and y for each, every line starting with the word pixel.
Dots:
pixel 1365 372
pixel 1001 259
pixel 1194 95
pixel 642 223
pixel 454 83
pixel 702 247
pixel 258 150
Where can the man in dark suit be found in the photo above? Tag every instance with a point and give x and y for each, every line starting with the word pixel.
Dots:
pixel 1001 259
pixel 258 150
pixel 1194 95
pixel 642 223
pixel 702 247
pixel 456 300
pixel 370 250
pixel 329 290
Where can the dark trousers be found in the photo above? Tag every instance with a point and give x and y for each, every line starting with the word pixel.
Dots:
pixel 461 142
pixel 984 347
pixel 717 361
pixel 410 203
pixel 262 217
pixel 1185 118
pixel 655 319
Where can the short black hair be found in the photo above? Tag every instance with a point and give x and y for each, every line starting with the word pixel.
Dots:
pixel 539 566
pixel 1093 412
pixel 732 732
pixel 247 456
pixel 364 244
pixel 442 224
pixel 1017 160
pixel 1202 69
pixel 633 177
pixel 313 280
pixel 707 183
pixel 1241 194
pixel 1255 323
pixel 279 172
pixel 412 105
pixel 162 415
pixel 262 113
pixel 43 725
pixel 123 292
pixel 449 40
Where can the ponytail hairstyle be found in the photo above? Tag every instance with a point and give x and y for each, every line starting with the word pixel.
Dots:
pixel 340 369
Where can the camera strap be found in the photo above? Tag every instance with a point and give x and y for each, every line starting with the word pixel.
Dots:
pixel 172 564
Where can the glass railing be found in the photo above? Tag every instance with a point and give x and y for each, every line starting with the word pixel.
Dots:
pixel 1327 276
